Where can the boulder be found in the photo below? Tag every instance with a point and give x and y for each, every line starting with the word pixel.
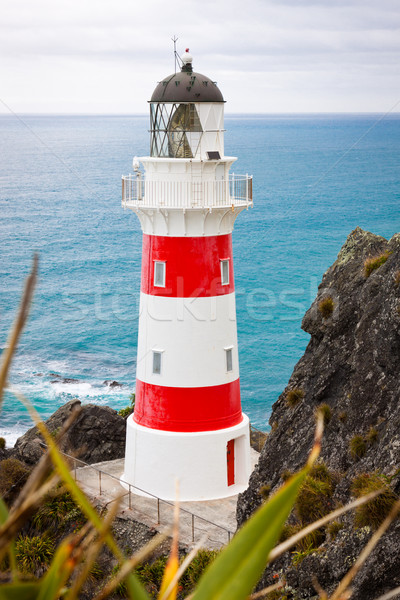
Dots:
pixel 97 434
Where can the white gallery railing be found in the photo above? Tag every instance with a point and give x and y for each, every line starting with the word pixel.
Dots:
pixel 139 192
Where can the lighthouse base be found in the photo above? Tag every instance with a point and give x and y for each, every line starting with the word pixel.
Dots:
pixel 208 464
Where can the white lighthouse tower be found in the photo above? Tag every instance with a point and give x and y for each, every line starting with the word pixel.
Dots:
pixel 188 422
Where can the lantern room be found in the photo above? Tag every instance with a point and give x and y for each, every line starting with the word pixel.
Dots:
pixel 187 116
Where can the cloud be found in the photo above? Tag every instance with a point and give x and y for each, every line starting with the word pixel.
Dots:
pixel 70 53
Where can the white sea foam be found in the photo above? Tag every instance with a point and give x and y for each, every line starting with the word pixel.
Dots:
pixel 12 433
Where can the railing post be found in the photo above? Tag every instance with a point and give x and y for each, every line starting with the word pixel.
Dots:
pixel 100 482
pixel 192 527
pixel 158 511
pixel 129 496
pixel 229 536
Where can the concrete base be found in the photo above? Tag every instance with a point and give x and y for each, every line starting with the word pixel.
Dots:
pixel 155 460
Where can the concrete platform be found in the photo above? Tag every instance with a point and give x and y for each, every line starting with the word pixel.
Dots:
pixel 214 518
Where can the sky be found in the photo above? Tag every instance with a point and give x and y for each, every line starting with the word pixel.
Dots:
pixel 268 56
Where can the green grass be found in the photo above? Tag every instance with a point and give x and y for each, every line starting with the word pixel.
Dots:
pixel 358 447
pixel 128 410
pixel 372 435
pixel 294 397
pixel 34 554
pixel 326 411
pixel 375 511
pixel 333 529
pixel 373 263
pixel 313 500
pixel 326 307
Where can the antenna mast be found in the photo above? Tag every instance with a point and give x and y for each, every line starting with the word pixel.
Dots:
pixel 175 39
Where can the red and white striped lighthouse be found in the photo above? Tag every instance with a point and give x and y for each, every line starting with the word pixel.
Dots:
pixel 188 422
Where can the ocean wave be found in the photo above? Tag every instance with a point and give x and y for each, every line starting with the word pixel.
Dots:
pixel 12 433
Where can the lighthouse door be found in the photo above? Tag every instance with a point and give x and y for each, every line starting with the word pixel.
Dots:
pixel 230 461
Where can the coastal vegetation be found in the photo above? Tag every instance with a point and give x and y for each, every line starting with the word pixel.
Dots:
pixel 294 397
pixel 373 263
pixel 326 306
pixel 358 447
pixel 128 410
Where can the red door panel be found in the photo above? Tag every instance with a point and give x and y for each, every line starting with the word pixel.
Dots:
pixel 230 461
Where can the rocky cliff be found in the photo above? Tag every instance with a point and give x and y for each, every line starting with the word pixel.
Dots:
pixel 352 367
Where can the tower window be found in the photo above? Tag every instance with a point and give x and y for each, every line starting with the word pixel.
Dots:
pixel 159 273
pixel 225 272
pixel 228 353
pixel 157 362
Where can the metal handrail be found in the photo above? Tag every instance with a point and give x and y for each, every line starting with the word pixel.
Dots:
pixel 192 515
pixel 137 191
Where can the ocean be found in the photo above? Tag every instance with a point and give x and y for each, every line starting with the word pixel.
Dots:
pixel 316 177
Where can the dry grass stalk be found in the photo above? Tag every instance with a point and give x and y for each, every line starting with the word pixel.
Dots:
pixel 262 593
pixel 348 578
pixel 128 565
pixel 294 539
pixel 391 594
pixel 18 326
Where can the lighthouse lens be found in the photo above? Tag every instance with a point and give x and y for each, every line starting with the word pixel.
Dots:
pixel 175 130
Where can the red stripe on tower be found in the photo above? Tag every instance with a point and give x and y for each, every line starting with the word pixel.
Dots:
pixel 188 409
pixel 193 266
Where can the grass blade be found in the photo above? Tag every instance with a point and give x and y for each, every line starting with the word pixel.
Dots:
pixel 235 572
pixel 20 591
pixel 18 326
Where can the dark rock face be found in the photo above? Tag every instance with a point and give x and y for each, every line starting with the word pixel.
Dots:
pixel 98 434
pixel 352 363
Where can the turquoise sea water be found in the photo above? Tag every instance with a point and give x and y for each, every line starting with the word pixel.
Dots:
pixel 315 179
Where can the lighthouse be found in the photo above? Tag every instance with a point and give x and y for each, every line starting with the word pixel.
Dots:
pixel 188 423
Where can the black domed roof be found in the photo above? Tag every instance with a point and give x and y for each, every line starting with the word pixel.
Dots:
pixel 187 86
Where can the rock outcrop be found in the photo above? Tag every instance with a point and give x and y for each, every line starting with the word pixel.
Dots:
pixel 351 365
pixel 97 434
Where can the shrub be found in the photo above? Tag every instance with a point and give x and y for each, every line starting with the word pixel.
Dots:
pixel 55 511
pixel 375 511
pixel 288 530
pixel 326 411
pixel 333 529
pixel 371 264
pixel 121 589
pixel 372 435
pixel 13 475
pixel 265 491
pixel 276 595
pixel 293 397
pixel 397 278
pixel 312 540
pixel 33 554
pixel 151 574
pixel 299 555
pixel 326 306
pixel 128 410
pixel 321 472
pixel 286 474
pixel 313 500
pixel 196 568
pixel 2 443
pixel 358 447
pixel 343 416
